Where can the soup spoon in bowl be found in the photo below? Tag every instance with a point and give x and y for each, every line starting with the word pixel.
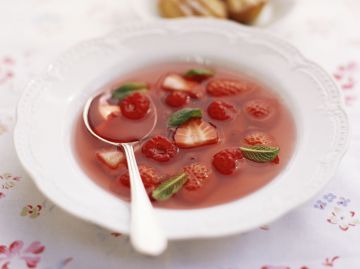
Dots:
pixel 146 234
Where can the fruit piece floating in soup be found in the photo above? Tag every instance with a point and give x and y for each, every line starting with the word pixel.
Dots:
pixel 219 135
pixel 117 115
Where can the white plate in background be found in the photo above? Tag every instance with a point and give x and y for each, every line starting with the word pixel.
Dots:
pixel 273 12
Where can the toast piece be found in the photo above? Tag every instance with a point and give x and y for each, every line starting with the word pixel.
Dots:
pixel 245 11
pixel 184 8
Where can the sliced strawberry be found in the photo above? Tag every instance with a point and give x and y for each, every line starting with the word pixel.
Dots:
pixel 260 109
pixel 225 87
pixel 107 110
pixel 112 158
pixel 159 148
pixel 197 174
pixel 195 133
pixel 221 110
pixel 177 99
pixel 226 161
pixel 259 138
pixel 175 82
pixel 135 106
pixel 149 176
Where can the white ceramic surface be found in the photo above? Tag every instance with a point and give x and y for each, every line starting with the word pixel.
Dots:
pixel 51 103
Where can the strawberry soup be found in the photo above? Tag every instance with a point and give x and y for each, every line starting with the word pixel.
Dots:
pixel 219 135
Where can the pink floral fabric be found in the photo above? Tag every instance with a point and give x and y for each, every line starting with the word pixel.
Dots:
pixel 30 255
pixel 35 233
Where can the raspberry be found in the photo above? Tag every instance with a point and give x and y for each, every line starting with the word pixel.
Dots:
pixel 197 174
pixel 224 87
pixel 260 109
pixel 259 138
pixel 226 160
pixel 177 99
pixel 220 110
pixel 149 177
pixel 135 106
pixel 159 148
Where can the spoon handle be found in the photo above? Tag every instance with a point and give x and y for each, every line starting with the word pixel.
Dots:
pixel 146 234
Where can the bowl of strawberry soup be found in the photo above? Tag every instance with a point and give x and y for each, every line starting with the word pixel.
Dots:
pixel 219 134
pixel 244 128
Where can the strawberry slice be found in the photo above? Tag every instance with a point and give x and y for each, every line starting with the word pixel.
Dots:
pixel 197 175
pixel 226 87
pixel 259 138
pixel 105 109
pixel 175 82
pixel 149 176
pixel 112 158
pixel 195 133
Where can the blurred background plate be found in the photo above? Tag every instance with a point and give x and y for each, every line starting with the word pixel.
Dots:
pixel 273 12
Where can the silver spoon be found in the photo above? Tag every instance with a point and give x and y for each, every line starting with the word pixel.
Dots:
pixel 146 235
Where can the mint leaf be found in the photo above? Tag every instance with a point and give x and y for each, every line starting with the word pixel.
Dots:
pixel 260 153
pixel 128 88
pixel 183 115
pixel 200 72
pixel 169 187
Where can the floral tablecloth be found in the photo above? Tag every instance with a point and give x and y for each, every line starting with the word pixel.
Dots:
pixel 35 233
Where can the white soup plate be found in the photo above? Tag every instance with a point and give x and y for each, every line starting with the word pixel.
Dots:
pixel 52 103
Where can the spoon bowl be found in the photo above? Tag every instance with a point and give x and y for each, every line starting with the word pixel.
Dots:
pixel 146 235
